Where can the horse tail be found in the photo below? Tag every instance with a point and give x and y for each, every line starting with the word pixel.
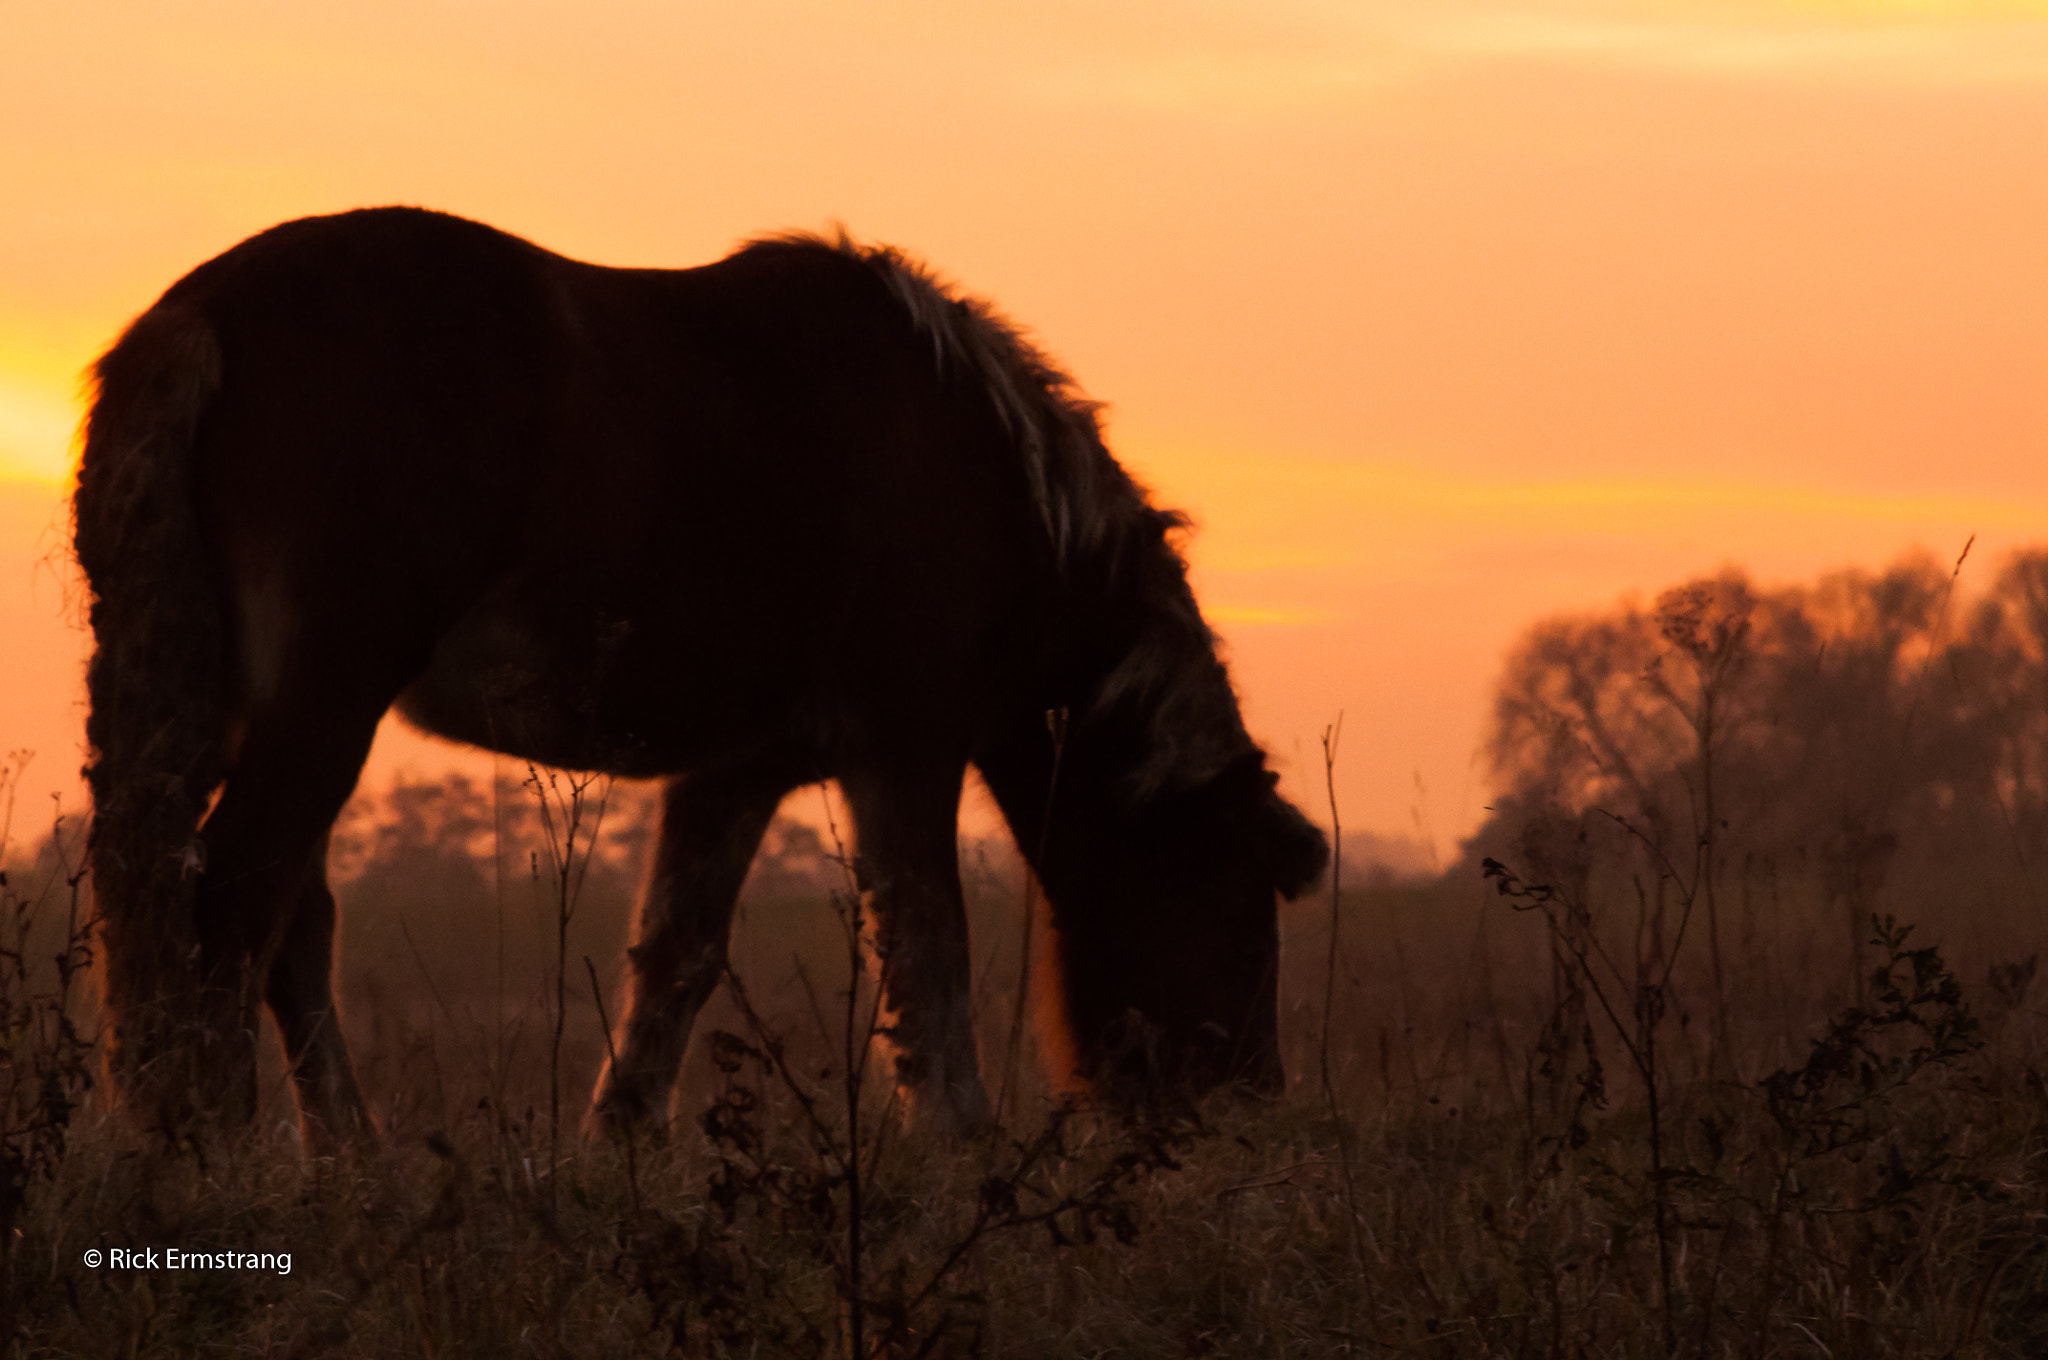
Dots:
pixel 158 679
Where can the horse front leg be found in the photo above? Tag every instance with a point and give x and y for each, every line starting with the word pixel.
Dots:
pixel 909 864
pixel 711 824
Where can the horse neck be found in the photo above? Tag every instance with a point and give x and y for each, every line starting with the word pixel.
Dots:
pixel 1158 715
pixel 1141 706
pixel 1158 721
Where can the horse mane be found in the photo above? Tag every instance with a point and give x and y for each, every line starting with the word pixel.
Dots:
pixel 1080 492
pixel 1109 542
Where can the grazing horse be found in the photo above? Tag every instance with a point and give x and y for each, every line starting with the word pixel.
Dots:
pixel 800 514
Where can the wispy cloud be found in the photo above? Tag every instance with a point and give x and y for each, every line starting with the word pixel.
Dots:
pixel 1213 80
pixel 1270 525
pixel 1627 494
pixel 1305 57
pixel 1259 614
pixel 1911 43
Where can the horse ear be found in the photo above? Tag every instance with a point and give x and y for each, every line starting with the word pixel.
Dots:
pixel 1292 848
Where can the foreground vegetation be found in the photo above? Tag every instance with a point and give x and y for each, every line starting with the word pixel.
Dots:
pixel 1493 1189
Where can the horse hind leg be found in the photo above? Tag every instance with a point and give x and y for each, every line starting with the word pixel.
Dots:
pixel 301 998
pixel 710 827
pixel 907 828
pixel 263 917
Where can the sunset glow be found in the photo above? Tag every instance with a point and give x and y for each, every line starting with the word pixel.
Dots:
pixel 1437 319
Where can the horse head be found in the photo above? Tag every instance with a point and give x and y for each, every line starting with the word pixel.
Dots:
pixel 1168 928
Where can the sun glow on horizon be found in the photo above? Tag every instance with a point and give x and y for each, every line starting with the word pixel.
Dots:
pixel 38 430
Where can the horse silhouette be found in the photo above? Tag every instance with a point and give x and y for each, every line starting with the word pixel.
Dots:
pixel 800 514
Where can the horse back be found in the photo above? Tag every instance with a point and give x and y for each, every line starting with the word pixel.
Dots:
pixel 664 501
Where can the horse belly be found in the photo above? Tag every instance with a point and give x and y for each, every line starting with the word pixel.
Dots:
pixel 592 688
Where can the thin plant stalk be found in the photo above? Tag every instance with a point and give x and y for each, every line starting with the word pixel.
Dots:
pixel 855 1067
pixel 569 878
pixel 1331 734
pixel 611 1054
pixel 857 1041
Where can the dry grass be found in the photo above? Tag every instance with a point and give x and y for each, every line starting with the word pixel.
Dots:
pixel 1503 1184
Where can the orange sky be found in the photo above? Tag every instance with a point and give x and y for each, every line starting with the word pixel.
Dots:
pixel 1438 317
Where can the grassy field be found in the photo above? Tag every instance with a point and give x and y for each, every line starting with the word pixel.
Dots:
pixel 1482 1173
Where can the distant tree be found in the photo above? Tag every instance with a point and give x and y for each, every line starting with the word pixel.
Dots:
pixel 1811 730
